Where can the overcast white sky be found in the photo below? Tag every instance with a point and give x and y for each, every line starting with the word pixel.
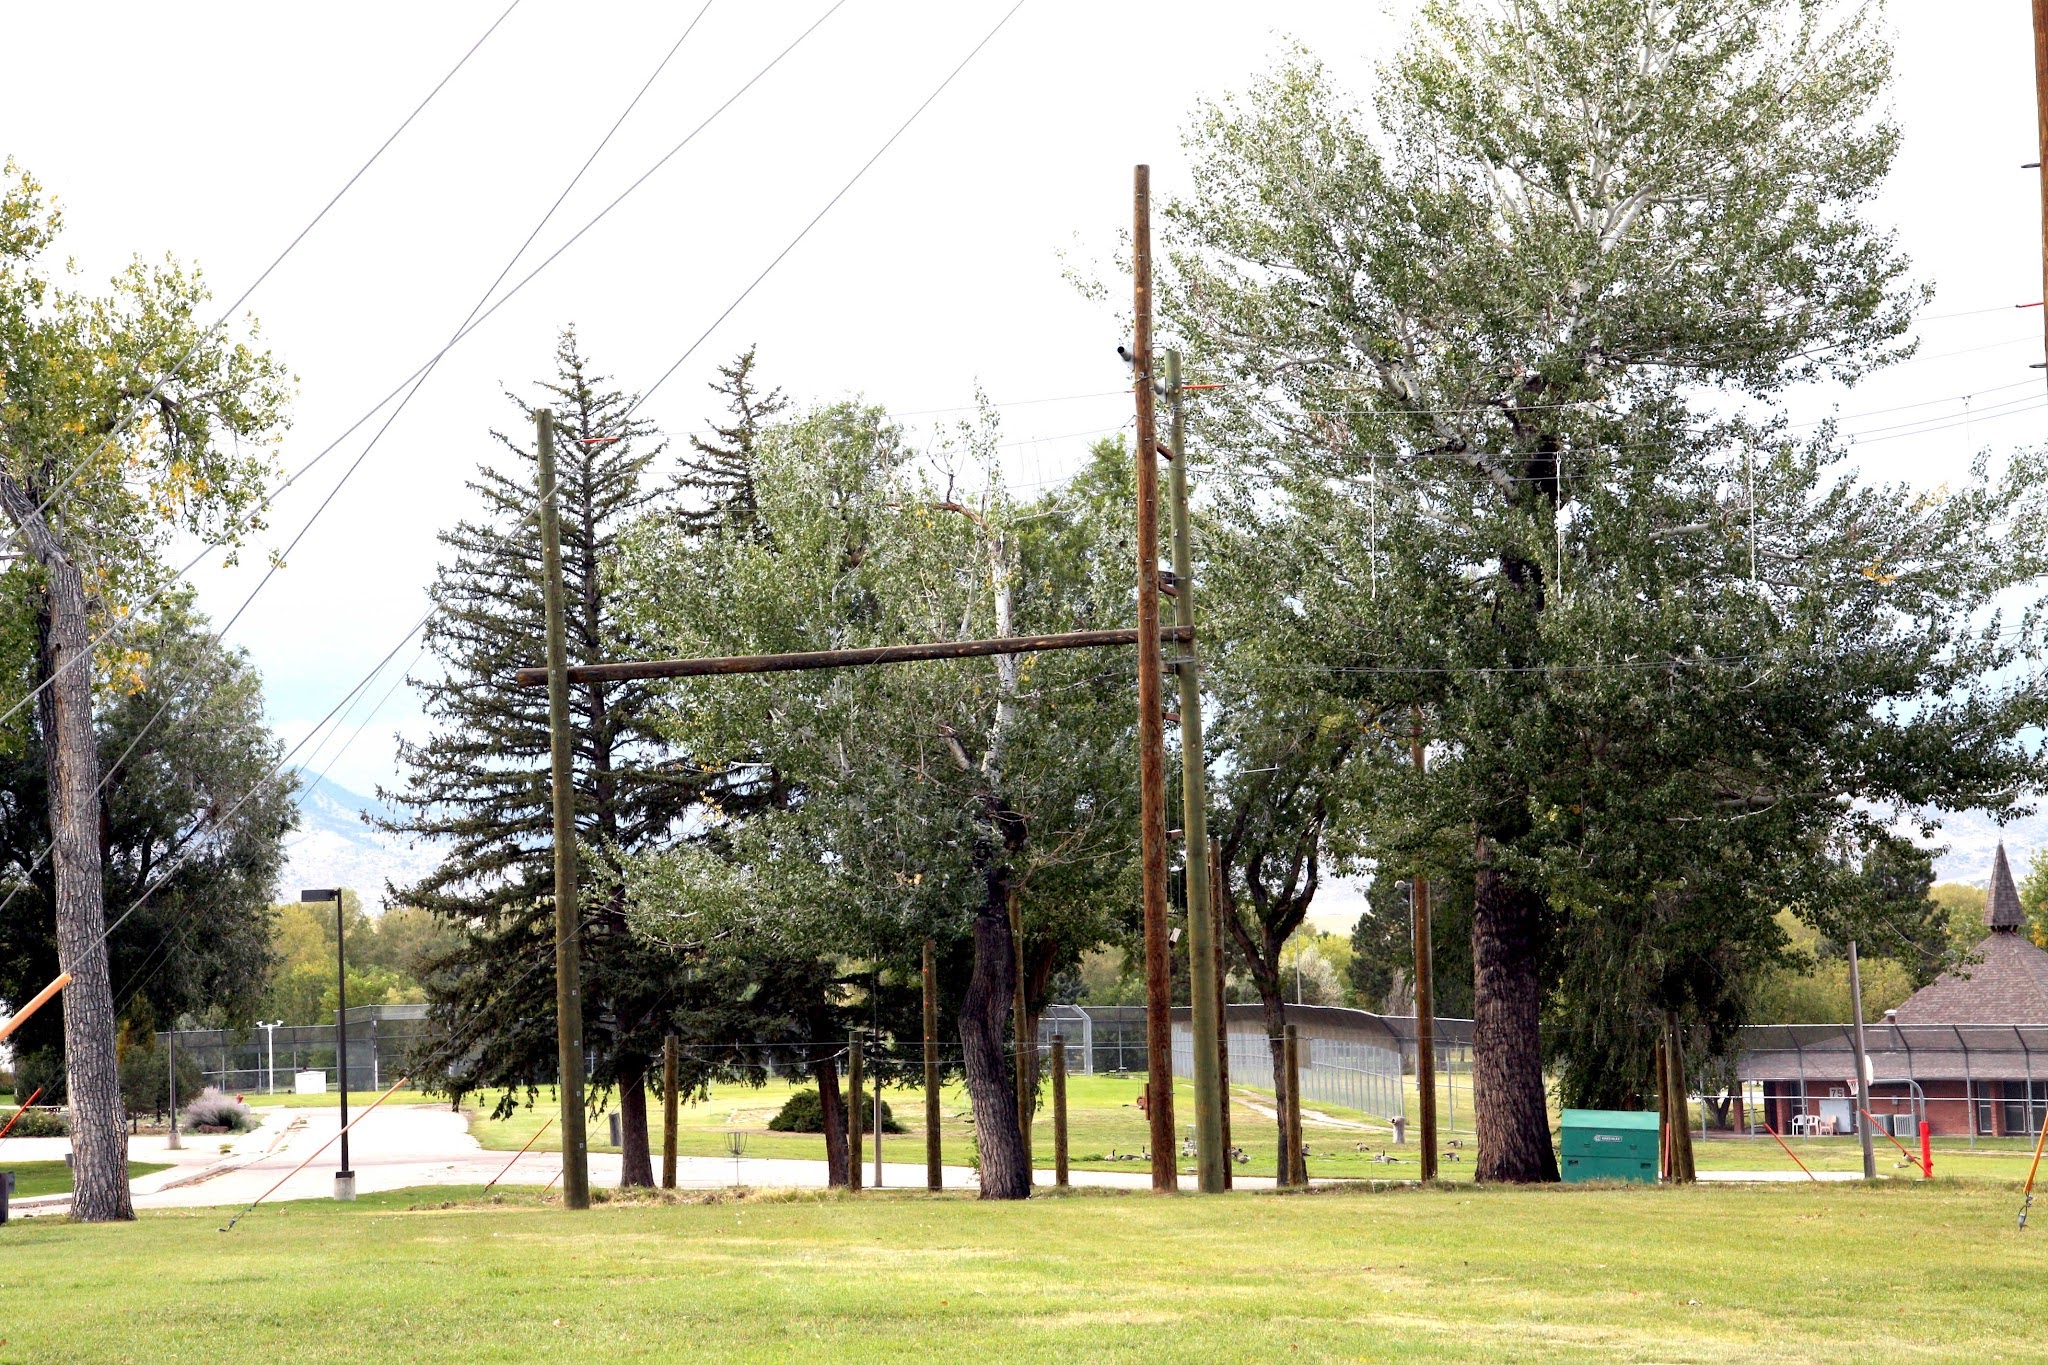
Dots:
pixel 215 131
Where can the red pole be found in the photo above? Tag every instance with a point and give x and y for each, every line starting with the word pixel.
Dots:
pixel 1926 1151
pixel 1794 1155
pixel 520 1153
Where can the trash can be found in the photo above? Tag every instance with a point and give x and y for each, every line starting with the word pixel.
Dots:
pixel 1609 1144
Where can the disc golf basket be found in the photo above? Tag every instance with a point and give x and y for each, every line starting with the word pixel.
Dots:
pixel 736 1144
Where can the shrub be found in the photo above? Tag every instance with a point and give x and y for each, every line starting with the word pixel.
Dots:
pixel 214 1111
pixel 146 1081
pixel 802 1112
pixel 43 1067
pixel 39 1122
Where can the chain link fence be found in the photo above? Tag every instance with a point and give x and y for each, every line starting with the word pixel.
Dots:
pixel 272 1059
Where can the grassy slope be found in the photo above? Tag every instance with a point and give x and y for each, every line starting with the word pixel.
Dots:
pixel 1714 1275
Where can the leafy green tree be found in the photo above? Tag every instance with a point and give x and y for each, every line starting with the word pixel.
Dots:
pixel 1673 662
pixel 92 497
pixel 480 780
pixel 925 800
pixel 192 829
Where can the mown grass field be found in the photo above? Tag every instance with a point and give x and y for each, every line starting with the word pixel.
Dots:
pixel 1103 1118
pixel 1796 1273
pixel 54 1177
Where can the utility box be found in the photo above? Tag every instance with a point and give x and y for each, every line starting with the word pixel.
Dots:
pixel 1609 1144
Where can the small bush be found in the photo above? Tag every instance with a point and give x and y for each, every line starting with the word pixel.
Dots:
pixel 802 1112
pixel 216 1112
pixel 38 1122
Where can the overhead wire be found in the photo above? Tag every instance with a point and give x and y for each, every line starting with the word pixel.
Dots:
pixel 141 404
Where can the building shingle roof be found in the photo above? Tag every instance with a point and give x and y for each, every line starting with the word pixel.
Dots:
pixel 2010 986
pixel 2002 907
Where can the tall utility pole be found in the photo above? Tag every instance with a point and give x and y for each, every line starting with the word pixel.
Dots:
pixel 934 1175
pixel 2041 142
pixel 1425 997
pixel 1863 1056
pixel 1211 1162
pixel 568 969
pixel 1151 710
pixel 669 1101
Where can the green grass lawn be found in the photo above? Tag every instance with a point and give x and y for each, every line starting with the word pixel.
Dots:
pixel 1797 1273
pixel 54 1177
pixel 1103 1119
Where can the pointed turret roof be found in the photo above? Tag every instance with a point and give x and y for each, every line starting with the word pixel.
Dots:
pixel 2002 906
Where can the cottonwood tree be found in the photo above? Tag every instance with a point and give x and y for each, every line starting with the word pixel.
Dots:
pixel 1508 354
pixel 929 800
pixel 126 420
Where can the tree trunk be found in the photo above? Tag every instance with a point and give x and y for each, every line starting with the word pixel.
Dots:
pixel 1507 1060
pixel 983 1027
pixel 636 1160
pixel 833 1109
pixel 99 1141
pixel 1275 1007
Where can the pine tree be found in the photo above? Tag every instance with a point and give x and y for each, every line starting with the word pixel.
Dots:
pixel 718 480
pixel 480 781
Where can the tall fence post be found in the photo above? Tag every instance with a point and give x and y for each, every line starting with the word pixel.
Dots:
pixel 934 1173
pixel 669 1069
pixel 1059 1110
pixel 854 1096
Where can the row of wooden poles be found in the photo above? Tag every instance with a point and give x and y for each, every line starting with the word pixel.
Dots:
pixel 1292 1166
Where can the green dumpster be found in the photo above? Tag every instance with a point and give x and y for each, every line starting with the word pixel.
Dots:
pixel 1609 1144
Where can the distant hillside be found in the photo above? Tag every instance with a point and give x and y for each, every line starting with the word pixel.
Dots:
pixel 1972 837
pixel 335 846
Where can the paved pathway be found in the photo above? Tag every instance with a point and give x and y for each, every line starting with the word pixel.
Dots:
pixel 405 1146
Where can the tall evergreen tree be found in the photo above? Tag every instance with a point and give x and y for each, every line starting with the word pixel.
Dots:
pixel 717 480
pixel 480 781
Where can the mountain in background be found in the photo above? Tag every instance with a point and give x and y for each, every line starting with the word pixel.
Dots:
pixel 335 846
pixel 1972 838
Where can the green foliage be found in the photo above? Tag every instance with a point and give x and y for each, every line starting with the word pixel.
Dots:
pixel 146 1079
pixel 1677 667
pixel 41 1122
pixel 388 958
pixel 1383 950
pixel 188 817
pixel 804 1112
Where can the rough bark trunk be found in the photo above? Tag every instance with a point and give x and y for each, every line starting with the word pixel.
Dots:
pixel 983 1026
pixel 1275 1007
pixel 1507 1060
pixel 833 1109
pixel 99 1141
pixel 636 1158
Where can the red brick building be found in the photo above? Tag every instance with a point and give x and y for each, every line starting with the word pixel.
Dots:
pixel 1969 1052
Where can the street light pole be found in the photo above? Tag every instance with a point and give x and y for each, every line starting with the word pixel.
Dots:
pixel 269 1055
pixel 344 1179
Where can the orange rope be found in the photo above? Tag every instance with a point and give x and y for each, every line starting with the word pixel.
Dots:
pixel 1789 1152
pixel 522 1152
pixel 316 1152
pixel 20 1016
pixel 2028 1202
pixel 19 1111
pixel 1914 1160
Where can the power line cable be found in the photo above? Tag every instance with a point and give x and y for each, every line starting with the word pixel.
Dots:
pixel 829 204
pixel 142 403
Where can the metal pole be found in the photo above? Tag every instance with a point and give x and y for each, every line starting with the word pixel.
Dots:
pixel 934 1175
pixel 670 1067
pixel 1151 710
pixel 171 1039
pixel 568 969
pixel 1862 1064
pixel 1211 1163
pixel 1059 1110
pixel 853 1116
pixel 341 1048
